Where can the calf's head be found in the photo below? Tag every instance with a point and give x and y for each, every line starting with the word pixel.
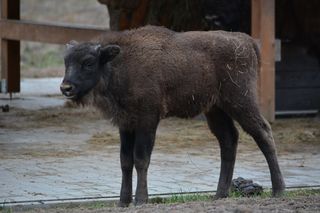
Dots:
pixel 85 63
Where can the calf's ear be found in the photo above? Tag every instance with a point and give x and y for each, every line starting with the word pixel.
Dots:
pixel 71 44
pixel 108 52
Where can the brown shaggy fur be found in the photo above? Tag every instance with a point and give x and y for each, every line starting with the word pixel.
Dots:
pixel 165 73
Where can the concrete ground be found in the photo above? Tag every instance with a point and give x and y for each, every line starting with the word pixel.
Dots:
pixel 35 94
pixel 45 153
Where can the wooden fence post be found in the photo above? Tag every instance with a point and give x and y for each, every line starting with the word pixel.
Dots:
pixel 263 28
pixel 267 72
pixel 10 50
pixel 255 18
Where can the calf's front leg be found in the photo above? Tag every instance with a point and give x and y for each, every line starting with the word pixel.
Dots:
pixel 126 160
pixel 144 141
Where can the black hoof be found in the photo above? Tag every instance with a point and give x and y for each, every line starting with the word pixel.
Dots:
pixel 220 196
pixel 278 193
pixel 140 202
pixel 123 204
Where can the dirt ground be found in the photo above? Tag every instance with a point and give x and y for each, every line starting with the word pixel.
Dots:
pixel 244 205
pixel 291 134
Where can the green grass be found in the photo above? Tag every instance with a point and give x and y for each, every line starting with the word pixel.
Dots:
pixel 4 209
pixel 301 192
pixel 100 204
pixel 183 198
pixel 264 194
pixel 92 205
pixel 42 59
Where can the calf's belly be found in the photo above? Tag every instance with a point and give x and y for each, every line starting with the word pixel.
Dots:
pixel 190 106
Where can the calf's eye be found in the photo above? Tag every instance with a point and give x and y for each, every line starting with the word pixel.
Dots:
pixel 88 64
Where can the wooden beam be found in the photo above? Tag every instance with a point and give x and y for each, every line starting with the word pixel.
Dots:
pixel 13 31
pixel 255 32
pixel 255 18
pixel 10 50
pixel 267 72
pixel 47 33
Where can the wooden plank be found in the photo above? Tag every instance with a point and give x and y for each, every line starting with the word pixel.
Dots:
pixel 4 8
pixel 293 51
pixel 298 99
pixel 255 18
pixel 300 79
pixel 4 47
pixel 267 72
pixel 4 64
pixel 296 112
pixel 136 18
pixel 255 30
pixel 10 50
pixel 13 66
pixel 47 33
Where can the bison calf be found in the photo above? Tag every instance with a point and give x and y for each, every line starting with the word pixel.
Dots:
pixel 140 76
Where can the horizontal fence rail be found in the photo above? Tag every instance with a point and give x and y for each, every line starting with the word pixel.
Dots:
pixel 45 32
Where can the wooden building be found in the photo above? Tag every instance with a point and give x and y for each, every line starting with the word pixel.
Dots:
pixel 298 72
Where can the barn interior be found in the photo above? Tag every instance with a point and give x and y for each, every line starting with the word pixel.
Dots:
pixel 298 72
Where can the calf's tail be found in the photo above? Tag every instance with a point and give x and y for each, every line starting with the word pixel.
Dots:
pixel 257 52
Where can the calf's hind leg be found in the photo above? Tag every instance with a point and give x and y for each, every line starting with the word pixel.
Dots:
pixel 254 124
pixel 222 126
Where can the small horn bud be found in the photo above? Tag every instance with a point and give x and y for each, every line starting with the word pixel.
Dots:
pixel 97 47
pixel 71 44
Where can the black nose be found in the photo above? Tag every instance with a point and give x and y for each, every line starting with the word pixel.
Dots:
pixel 65 87
pixel 68 90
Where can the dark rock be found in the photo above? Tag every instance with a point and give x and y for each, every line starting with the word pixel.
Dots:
pixel 246 187
pixel 5 108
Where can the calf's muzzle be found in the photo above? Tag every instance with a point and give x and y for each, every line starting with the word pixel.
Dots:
pixel 67 89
